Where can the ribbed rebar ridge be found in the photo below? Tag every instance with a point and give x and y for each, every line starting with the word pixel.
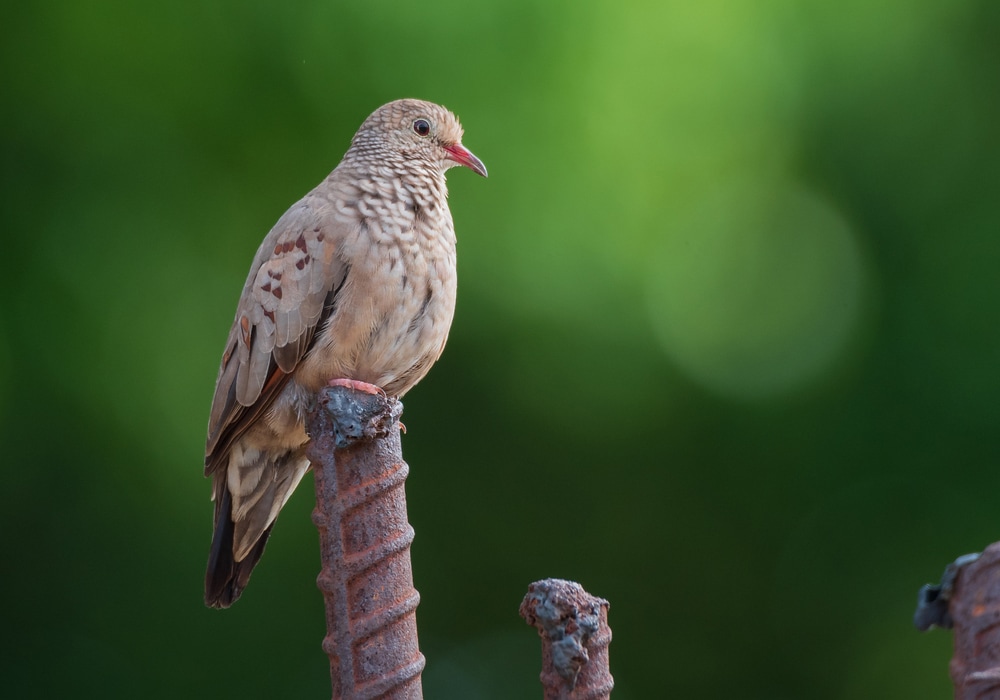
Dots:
pixel 575 636
pixel 366 577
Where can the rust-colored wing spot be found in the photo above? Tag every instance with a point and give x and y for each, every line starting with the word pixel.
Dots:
pixel 276 376
pixel 273 283
pixel 300 242
pixel 302 262
pixel 245 327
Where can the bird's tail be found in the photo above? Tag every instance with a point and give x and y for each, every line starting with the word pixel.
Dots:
pixel 225 577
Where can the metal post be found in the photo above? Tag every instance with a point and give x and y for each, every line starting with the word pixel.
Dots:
pixel 575 636
pixel 366 577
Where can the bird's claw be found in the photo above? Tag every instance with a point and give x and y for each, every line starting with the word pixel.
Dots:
pixel 358 385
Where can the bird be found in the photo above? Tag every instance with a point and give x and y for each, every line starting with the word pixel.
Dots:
pixel 355 284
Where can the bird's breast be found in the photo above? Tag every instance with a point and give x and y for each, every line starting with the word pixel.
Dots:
pixel 392 315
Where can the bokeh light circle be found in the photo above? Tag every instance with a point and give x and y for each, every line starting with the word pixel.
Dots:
pixel 755 292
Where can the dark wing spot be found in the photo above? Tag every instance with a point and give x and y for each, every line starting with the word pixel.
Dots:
pixel 415 323
pixel 330 303
pixel 426 302
pixel 301 264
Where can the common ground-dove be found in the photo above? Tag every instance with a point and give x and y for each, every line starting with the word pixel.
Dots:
pixel 356 281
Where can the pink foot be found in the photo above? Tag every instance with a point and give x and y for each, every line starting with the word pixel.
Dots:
pixel 358 386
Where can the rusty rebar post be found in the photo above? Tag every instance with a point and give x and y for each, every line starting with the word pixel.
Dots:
pixel 575 636
pixel 366 577
pixel 968 601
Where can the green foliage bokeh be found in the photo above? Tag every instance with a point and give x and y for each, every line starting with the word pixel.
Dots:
pixel 726 348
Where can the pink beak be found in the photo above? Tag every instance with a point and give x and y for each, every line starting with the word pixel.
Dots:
pixel 463 156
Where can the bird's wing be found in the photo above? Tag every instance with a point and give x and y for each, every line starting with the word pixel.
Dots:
pixel 289 291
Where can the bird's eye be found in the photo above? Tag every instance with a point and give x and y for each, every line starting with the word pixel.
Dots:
pixel 422 127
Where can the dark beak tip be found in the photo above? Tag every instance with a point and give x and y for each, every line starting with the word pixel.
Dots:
pixel 475 165
pixel 463 156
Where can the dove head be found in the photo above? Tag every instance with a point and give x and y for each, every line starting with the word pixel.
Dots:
pixel 414 132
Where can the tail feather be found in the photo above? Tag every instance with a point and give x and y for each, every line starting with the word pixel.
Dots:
pixel 225 578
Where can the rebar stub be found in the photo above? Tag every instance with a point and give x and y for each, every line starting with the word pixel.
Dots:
pixel 975 610
pixel 575 637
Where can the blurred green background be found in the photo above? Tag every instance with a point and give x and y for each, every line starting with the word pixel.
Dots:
pixel 725 349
